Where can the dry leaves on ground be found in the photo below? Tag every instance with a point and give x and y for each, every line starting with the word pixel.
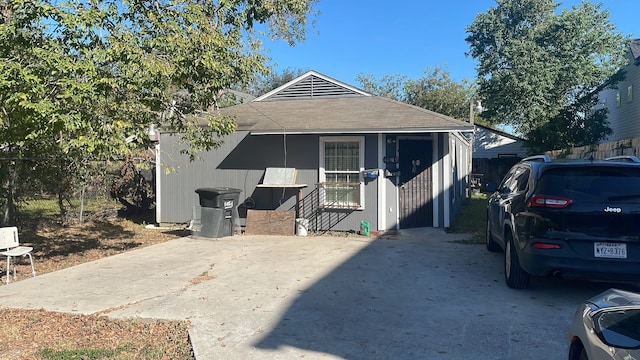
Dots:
pixel 26 334
pixel 30 334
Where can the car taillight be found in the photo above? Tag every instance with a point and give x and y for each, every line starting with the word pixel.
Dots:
pixel 555 202
pixel 546 246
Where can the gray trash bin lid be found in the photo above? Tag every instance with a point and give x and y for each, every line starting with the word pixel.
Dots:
pixel 215 191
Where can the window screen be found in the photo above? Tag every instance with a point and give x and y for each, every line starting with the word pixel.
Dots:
pixel 343 161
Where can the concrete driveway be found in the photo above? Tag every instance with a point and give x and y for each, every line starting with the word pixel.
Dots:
pixel 416 295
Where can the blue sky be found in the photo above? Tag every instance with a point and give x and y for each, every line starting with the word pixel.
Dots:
pixel 404 37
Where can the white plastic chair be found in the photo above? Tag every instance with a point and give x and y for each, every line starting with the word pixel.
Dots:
pixel 10 245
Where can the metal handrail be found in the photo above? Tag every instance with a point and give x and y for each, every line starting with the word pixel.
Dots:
pixel 323 214
pixel 341 201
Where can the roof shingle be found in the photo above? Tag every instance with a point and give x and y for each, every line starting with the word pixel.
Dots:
pixel 338 114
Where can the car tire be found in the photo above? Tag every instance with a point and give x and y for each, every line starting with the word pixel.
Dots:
pixel 514 274
pixel 491 243
pixel 577 351
pixel 583 355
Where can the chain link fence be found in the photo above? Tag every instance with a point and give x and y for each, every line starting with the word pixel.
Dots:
pixel 39 192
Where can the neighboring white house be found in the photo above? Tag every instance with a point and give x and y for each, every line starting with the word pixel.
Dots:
pixel 494 152
pixel 490 144
pixel 623 104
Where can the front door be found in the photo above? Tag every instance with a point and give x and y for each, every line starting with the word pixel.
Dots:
pixel 416 201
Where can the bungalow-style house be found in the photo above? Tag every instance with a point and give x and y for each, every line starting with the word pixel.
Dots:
pixel 341 156
pixel 622 103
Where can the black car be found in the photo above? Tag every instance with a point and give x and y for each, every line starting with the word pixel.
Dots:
pixel 574 218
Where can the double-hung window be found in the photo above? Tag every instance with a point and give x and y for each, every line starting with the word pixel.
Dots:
pixel 341 166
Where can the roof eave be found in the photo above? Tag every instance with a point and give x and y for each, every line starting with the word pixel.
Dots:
pixel 360 131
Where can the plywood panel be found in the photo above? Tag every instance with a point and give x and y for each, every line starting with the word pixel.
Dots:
pixel 270 222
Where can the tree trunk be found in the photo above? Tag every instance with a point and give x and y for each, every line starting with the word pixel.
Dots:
pixel 9 214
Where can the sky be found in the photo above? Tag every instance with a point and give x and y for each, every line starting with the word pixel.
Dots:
pixel 403 37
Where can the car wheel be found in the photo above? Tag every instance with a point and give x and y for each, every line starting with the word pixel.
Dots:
pixel 577 351
pixel 583 355
pixel 514 275
pixel 491 243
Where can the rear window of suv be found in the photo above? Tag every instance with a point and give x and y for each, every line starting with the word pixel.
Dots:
pixel 592 184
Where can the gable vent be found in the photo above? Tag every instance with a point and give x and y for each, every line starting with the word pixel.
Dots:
pixel 312 87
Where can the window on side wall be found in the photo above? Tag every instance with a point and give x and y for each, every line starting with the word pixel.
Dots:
pixel 341 166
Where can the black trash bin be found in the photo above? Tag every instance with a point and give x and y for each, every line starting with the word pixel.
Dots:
pixel 219 211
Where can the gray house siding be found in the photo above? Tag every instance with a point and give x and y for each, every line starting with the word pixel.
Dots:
pixel 452 162
pixel 442 196
pixel 370 214
pixel 240 163
pixel 460 157
pixel 178 178
pixel 624 114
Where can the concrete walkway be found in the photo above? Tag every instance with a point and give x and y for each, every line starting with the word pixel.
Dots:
pixel 413 296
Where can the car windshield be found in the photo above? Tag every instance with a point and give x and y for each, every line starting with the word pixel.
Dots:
pixel 620 328
pixel 592 184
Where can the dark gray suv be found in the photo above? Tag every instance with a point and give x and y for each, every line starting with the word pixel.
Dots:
pixel 574 218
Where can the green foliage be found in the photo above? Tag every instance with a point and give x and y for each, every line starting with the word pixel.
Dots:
pixel 567 131
pixel 81 77
pixel 436 91
pixel 391 86
pixel 78 354
pixel 127 351
pixel 538 69
pixel 50 191
pixel 132 189
pixel 273 80
pixel 77 79
pixel 471 219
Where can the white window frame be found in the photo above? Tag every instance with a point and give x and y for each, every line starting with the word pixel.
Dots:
pixel 323 172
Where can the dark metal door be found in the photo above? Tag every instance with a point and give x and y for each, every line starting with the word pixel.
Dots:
pixel 416 202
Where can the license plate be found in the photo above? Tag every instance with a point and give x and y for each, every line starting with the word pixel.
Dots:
pixel 610 250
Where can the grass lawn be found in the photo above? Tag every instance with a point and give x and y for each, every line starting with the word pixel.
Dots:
pixel 471 219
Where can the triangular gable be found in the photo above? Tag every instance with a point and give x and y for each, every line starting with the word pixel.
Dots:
pixel 312 85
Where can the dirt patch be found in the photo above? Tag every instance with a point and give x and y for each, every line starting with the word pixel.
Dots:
pixel 39 334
